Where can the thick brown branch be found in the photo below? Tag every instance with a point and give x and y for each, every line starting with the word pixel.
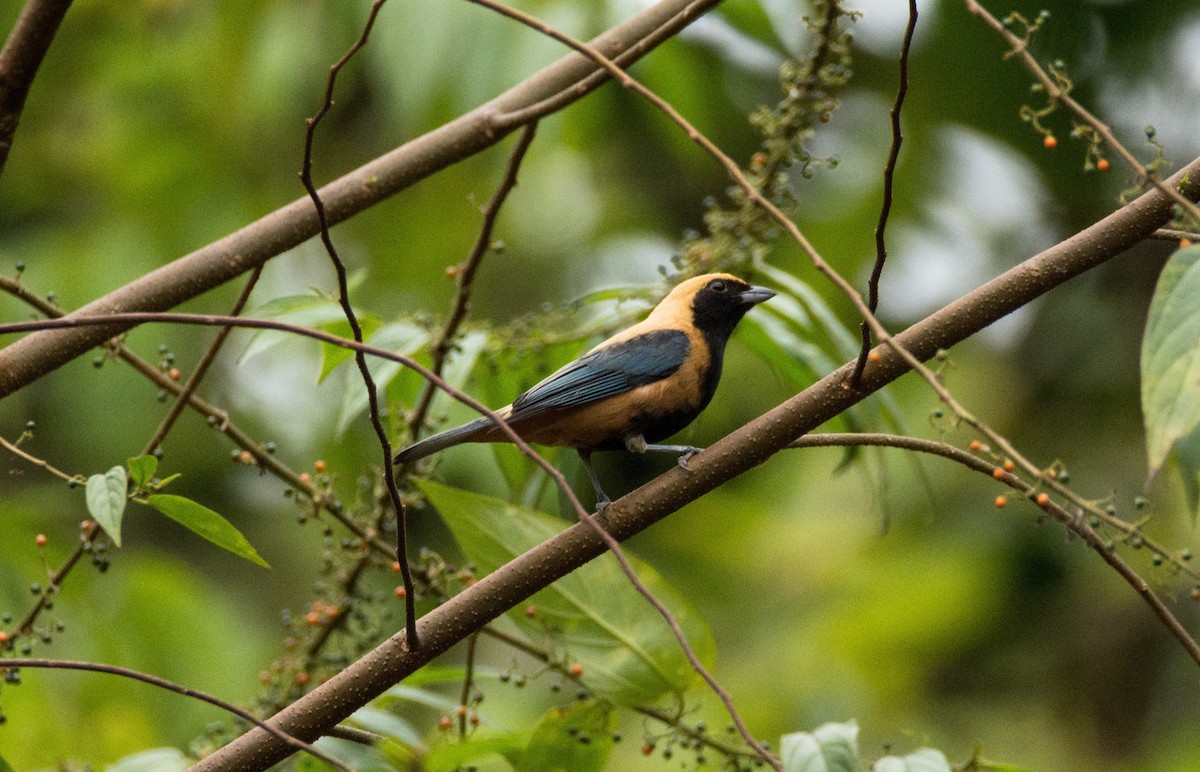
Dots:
pixel 737 453
pixel 552 88
pixel 20 59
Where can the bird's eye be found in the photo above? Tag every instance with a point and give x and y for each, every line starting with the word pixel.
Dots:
pixel 717 285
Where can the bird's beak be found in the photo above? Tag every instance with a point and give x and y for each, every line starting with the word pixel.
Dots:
pixel 756 295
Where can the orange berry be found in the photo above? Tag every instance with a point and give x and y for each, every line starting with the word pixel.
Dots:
pixel 246 457
pixel 319 466
pixel 332 612
pixel 874 356
pixel 303 677
pixel 531 611
pixel 1001 502
pixel 1050 142
pixel 40 539
pixel 647 749
pixel 975 446
pixel 444 723
pixel 305 478
pixel 313 618
pixel 401 592
pixel 1102 165
pixel 461 710
pixel 452 271
pixel 3 637
pixel 998 473
pixel 1043 499
pixel 1008 465
pixel 1052 474
pixel 1185 243
pixel 1196 593
pixel 576 669
pixel 474 719
pixel 174 374
pixel 395 566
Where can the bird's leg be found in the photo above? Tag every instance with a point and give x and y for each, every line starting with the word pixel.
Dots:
pixel 637 444
pixel 602 499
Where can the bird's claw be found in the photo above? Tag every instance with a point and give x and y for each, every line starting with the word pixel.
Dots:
pixel 685 457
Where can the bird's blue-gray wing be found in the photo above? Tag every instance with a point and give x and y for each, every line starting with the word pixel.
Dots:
pixel 607 372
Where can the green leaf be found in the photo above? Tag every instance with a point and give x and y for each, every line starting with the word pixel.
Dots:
pixel 399 337
pixel 453 757
pixel 554 747
pixel 333 356
pixel 1171 359
pixel 5 766
pixel 387 724
pixel 594 615
pixel 106 500
pixel 142 469
pixel 459 366
pixel 1187 456
pixel 316 311
pixel 922 760
pixel 206 523
pixel 829 748
pixel 154 760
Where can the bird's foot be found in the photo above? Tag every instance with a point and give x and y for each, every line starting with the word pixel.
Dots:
pixel 686 456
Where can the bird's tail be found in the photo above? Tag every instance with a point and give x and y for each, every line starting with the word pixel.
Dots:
pixel 441 441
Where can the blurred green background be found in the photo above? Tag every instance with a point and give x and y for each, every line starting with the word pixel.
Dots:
pixel 157 126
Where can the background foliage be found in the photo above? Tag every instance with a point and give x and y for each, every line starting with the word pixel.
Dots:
pixel 158 126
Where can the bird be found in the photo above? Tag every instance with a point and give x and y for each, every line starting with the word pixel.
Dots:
pixel 635 389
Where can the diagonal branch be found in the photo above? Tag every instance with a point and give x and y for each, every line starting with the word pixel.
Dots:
pixel 737 453
pixel 548 90
pixel 162 683
pixel 1075 524
pixel 20 59
pixel 885 209
pixel 440 347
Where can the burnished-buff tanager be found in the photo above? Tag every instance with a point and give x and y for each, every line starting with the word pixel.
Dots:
pixel 638 387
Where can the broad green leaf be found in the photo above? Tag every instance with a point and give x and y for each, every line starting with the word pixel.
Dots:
pixel 1171 360
pixel 1187 456
pixel 405 693
pixel 5 766
pixel 593 615
pixel 554 747
pixel 106 500
pixel 459 366
pixel 388 724
pixel 922 760
pixel 316 311
pixel 142 469
pixel 454 756
pixel 333 356
pixel 154 760
pixel 828 748
pixel 206 523
pixel 399 337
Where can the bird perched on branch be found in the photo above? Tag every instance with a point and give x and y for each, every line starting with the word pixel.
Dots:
pixel 638 387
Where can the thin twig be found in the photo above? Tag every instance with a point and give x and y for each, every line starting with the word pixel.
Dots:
pixel 183 398
pixel 510 434
pixel 1053 91
pixel 889 173
pixel 186 691
pixel 468 679
pixel 440 347
pixel 1074 523
pixel 20 59
pixel 657 714
pixel 12 447
pixel 410 609
pixel 1172 234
